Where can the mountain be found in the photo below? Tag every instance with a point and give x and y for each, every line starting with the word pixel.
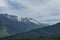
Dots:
pixel 49 30
pixel 32 22
pixel 9 25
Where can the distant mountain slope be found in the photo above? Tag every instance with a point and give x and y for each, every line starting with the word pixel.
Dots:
pixel 49 30
pixel 32 23
pixel 10 25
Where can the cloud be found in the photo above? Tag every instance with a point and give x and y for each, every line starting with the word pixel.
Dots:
pixel 41 10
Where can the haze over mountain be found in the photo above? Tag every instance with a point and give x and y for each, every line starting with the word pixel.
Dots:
pixel 9 25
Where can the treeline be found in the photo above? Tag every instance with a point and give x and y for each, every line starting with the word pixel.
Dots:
pixel 55 37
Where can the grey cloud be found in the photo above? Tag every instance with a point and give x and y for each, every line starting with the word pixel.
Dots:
pixel 15 5
pixel 41 10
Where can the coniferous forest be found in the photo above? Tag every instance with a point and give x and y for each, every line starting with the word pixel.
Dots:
pixel 48 37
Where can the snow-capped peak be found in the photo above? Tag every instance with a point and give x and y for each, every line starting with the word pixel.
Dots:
pixel 33 20
pixel 29 20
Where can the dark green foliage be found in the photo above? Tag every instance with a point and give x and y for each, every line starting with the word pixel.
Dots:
pixel 51 37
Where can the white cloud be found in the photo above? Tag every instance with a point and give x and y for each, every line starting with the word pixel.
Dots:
pixel 41 10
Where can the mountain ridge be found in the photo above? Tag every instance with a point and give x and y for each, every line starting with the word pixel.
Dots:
pixel 48 30
pixel 14 27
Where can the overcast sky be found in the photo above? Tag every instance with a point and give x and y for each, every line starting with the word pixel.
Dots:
pixel 45 11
